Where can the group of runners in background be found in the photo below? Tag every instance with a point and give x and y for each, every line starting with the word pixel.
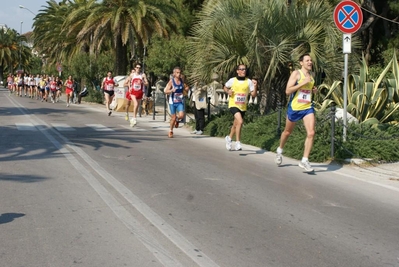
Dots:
pixel 300 88
pixel 41 87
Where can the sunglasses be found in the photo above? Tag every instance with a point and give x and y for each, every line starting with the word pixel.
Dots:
pixel 242 69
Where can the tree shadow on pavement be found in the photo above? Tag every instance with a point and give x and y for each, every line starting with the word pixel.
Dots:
pixel 21 178
pixel 9 217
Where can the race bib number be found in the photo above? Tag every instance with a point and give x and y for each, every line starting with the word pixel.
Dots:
pixel 178 97
pixel 110 87
pixel 137 85
pixel 304 96
pixel 240 99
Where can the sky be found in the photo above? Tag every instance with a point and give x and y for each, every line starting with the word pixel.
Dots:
pixel 12 15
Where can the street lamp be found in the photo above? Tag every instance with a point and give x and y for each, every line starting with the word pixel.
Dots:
pixel 20 6
pixel 20 45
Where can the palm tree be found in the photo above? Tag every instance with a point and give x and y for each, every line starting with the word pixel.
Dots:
pixel 50 38
pixel 121 23
pixel 268 36
pixel 10 48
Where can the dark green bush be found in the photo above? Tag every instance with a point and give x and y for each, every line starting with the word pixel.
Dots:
pixel 376 142
pixel 94 96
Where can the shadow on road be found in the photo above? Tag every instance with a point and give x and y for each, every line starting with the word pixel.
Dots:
pixel 9 217
pixel 21 178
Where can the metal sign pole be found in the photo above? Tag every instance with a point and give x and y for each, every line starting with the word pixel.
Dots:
pixel 345 95
pixel 346 49
pixel 348 18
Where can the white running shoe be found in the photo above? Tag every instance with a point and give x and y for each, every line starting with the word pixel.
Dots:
pixel 238 146
pixel 133 122
pixel 306 165
pixel 68 104
pixel 199 132
pixel 228 142
pixel 127 117
pixel 194 132
pixel 279 159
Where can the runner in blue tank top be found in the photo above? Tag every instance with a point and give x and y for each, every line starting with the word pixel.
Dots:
pixel 176 88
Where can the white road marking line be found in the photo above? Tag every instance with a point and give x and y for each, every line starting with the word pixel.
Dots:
pixel 145 237
pixel 172 234
pixel 100 128
pixel 25 126
pixel 369 182
pixel 128 219
pixel 63 127
pixel 134 129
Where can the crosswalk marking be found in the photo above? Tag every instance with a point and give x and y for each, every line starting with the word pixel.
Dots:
pixel 25 126
pixel 63 127
pixel 100 127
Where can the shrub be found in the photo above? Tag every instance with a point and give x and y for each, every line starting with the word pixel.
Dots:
pixel 377 142
pixel 95 96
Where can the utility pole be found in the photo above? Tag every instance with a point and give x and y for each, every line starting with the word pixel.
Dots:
pixel 20 46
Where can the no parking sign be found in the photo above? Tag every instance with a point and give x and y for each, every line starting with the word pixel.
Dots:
pixel 348 17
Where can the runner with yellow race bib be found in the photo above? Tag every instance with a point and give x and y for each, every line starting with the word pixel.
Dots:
pixel 238 89
pixel 300 88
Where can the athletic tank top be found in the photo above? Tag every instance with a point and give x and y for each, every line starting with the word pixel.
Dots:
pixel 302 99
pixel 177 96
pixel 109 84
pixel 239 98
pixel 137 83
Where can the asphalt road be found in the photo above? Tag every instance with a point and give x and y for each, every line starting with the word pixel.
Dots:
pixel 79 188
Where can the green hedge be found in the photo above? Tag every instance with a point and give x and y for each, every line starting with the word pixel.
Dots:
pixel 379 143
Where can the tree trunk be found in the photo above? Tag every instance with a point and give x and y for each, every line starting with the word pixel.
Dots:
pixel 367 28
pixel 1 74
pixel 367 53
pixel 387 28
pixel 121 60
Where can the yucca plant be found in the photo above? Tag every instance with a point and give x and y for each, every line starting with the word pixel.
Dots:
pixel 369 101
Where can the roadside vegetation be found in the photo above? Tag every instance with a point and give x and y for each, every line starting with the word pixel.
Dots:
pixel 370 142
pixel 88 38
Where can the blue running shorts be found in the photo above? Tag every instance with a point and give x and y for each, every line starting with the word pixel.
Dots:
pixel 176 107
pixel 297 115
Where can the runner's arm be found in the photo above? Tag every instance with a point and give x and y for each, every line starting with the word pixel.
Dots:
pixel 102 84
pixel 127 82
pixel 145 79
pixel 168 88
pixel 254 86
pixel 292 85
